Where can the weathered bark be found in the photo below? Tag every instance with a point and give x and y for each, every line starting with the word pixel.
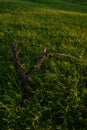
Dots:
pixel 27 92
pixel 38 64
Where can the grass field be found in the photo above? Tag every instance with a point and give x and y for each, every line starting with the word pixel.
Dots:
pixel 60 85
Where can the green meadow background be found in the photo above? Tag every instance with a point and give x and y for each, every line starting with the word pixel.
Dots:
pixel 59 101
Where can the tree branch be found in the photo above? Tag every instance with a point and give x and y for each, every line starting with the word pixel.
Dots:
pixel 25 77
pixel 38 64
pixel 21 74
pixel 63 55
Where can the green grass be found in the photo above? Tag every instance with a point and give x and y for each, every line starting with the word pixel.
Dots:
pixel 60 85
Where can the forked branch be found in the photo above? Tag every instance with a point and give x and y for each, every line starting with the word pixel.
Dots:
pixel 25 77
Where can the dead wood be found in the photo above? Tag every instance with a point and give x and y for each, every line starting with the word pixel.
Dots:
pixel 63 55
pixel 38 64
pixel 25 77
pixel 21 73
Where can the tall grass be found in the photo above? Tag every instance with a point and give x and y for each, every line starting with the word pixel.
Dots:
pixel 59 86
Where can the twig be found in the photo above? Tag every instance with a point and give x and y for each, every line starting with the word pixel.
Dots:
pixel 38 64
pixel 42 57
pixel 48 54
pixel 63 55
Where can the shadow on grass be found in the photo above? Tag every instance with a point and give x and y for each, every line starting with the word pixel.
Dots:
pixel 68 5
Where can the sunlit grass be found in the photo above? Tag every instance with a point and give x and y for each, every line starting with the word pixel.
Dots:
pixel 59 100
